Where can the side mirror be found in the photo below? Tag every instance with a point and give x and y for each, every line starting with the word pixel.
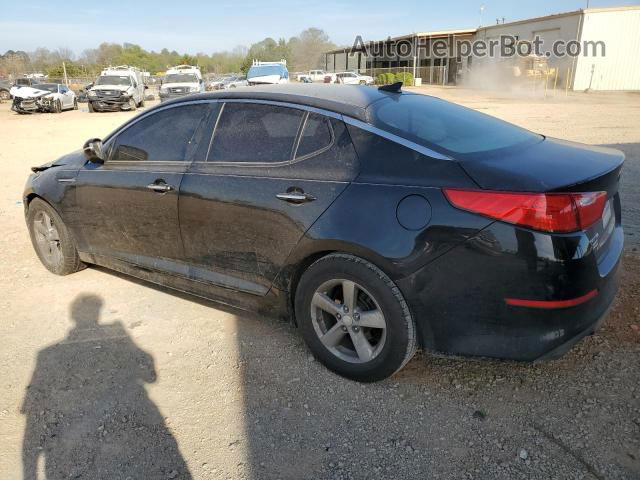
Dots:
pixel 93 150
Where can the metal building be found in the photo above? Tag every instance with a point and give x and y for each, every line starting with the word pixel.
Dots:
pixel 609 41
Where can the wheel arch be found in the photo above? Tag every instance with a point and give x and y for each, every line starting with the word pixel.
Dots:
pixel 304 258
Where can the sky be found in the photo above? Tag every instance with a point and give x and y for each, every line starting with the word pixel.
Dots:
pixel 192 26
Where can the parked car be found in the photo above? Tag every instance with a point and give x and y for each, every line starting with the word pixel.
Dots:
pixel 312 75
pixel 117 88
pixel 181 80
pixel 262 73
pixel 353 78
pixel 43 97
pixel 382 220
pixel 232 81
pixel 239 81
pixel 5 88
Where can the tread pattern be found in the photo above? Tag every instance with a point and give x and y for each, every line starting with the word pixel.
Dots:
pixel 412 343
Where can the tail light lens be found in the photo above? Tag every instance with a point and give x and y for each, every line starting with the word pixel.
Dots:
pixel 547 212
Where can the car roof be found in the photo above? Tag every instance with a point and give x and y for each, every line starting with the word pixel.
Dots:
pixel 350 100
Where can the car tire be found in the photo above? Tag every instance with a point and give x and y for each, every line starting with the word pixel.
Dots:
pixel 141 104
pixel 92 109
pixel 381 317
pixel 363 82
pixel 58 107
pixel 51 239
pixel 75 104
pixel 5 95
pixel 132 105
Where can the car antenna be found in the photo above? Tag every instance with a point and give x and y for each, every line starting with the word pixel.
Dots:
pixel 394 87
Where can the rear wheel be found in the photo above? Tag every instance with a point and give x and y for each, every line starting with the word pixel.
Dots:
pixel 75 103
pixel 5 95
pixel 51 239
pixel 354 318
pixel 132 104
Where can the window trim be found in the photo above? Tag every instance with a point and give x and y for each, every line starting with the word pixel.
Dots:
pixel 297 159
pixel 112 137
pixel 292 159
pixel 327 113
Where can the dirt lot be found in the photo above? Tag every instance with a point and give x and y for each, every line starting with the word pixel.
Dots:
pixel 105 377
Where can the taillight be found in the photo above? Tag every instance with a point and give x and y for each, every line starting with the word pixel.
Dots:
pixel 548 212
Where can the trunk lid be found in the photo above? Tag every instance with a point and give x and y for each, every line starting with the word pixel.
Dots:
pixel 546 166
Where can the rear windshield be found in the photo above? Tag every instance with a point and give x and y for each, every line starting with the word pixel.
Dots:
pixel 444 126
pixel 264 70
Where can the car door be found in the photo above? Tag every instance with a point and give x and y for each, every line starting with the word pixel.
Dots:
pixel 263 184
pixel 64 95
pixel 127 208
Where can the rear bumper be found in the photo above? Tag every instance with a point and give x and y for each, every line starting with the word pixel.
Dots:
pixel 459 300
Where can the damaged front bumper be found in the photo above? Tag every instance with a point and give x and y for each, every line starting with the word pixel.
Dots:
pixel 110 103
pixel 44 104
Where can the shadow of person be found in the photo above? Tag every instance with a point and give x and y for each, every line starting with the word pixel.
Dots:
pixel 88 413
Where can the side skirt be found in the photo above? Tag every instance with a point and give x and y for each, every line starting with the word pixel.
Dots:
pixel 273 304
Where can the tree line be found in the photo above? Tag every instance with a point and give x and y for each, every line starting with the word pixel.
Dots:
pixel 302 52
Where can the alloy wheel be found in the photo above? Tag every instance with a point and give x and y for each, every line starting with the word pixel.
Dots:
pixel 47 238
pixel 348 321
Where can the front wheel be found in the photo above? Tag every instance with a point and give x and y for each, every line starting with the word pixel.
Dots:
pixel 354 318
pixel 91 108
pixel 57 108
pixel 51 239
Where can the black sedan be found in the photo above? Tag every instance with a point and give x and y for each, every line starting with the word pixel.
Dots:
pixel 379 221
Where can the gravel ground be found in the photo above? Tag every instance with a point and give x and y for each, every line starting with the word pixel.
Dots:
pixel 106 377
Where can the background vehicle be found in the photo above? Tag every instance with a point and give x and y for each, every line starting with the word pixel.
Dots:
pixel 240 81
pixel 43 97
pixel 313 75
pixel 4 90
pixel 352 78
pixel 384 220
pixel 117 88
pixel 25 82
pixel 268 73
pixel 181 80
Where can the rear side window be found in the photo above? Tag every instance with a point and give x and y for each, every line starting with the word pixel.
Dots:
pixel 315 136
pixel 445 126
pixel 169 135
pixel 255 133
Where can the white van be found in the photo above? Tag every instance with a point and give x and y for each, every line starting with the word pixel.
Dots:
pixel 268 73
pixel 181 80
pixel 117 88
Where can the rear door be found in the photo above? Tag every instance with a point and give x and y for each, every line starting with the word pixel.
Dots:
pixel 263 184
pixel 127 208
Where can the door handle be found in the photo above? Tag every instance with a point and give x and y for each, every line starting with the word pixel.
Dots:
pixel 296 197
pixel 160 187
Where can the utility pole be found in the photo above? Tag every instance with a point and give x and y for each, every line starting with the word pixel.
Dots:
pixel 64 70
pixel 481 12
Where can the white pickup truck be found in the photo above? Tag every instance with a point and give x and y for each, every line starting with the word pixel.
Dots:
pixel 313 75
